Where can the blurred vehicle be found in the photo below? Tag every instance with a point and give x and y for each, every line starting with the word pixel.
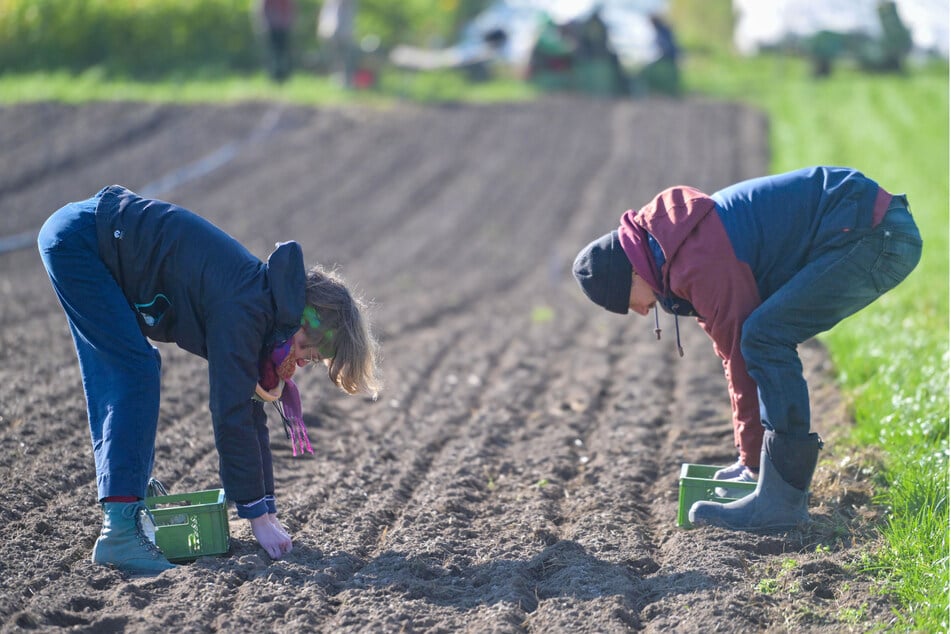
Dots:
pixel 872 35
pixel 885 52
pixel 577 56
pixel 475 59
pixel 602 42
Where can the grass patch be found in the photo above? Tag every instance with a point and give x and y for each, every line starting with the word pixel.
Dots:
pixel 914 560
pixel 211 86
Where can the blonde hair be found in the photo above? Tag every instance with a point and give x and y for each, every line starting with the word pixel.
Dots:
pixel 354 365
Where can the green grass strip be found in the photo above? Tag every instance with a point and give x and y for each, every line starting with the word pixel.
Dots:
pixel 209 86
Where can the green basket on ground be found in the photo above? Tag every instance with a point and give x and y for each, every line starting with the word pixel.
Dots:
pixel 191 525
pixel 697 483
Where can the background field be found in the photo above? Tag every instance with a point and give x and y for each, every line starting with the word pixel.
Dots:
pixel 892 359
pixel 520 471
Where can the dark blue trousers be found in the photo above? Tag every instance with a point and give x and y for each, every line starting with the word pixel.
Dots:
pixel 834 285
pixel 121 370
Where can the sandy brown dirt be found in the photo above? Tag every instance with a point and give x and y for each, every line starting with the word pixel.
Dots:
pixel 519 472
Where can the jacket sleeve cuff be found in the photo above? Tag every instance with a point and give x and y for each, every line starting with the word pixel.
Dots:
pixel 271 504
pixel 249 511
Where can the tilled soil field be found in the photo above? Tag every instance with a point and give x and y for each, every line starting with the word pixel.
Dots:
pixel 519 471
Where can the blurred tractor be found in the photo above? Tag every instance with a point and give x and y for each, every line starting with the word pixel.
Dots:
pixel 883 53
pixel 576 57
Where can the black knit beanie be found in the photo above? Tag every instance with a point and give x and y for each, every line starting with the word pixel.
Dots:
pixel 604 273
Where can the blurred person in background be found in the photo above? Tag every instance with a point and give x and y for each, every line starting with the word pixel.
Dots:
pixel 276 19
pixel 763 265
pixel 128 269
pixel 598 65
pixel 662 75
pixel 335 23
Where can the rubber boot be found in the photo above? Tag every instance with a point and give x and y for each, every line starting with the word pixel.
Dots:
pixel 124 544
pixel 782 492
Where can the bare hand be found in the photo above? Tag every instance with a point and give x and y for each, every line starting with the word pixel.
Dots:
pixel 272 517
pixel 271 536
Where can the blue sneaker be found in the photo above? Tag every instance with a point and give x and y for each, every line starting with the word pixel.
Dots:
pixel 745 475
pixel 728 473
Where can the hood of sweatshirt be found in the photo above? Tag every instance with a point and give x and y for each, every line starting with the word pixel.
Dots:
pixel 670 217
pixel 287 280
pixel 664 224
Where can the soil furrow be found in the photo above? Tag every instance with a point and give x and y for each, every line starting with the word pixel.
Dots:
pixel 518 473
pixel 67 153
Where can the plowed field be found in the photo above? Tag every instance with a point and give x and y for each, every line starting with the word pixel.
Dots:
pixel 519 471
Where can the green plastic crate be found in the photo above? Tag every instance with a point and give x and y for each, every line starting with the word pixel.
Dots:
pixel 697 483
pixel 191 525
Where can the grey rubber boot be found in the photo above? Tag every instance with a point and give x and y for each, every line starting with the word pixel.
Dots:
pixel 123 543
pixel 782 492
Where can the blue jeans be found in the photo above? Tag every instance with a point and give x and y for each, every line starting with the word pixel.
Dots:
pixel 120 369
pixel 828 289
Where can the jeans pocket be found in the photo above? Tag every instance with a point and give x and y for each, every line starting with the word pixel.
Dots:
pixel 899 256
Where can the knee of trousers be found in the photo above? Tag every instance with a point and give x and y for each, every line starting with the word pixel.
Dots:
pixel 757 337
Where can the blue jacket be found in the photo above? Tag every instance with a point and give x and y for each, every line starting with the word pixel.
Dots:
pixel 727 252
pixel 776 223
pixel 192 284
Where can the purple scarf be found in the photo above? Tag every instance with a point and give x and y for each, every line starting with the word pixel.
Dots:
pixel 285 396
